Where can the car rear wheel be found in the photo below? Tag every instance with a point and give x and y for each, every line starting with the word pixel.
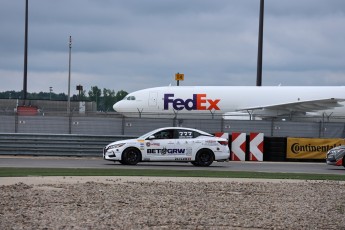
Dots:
pixel 130 156
pixel 204 157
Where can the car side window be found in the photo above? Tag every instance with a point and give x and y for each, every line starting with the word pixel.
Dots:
pixel 165 134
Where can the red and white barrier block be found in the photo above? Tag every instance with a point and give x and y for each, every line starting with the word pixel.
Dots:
pixel 238 147
pixel 222 135
pixel 256 147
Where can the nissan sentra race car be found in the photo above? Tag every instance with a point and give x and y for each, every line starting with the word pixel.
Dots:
pixel 170 144
pixel 336 156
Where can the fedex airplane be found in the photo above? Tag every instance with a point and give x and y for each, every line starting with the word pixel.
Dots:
pixel 235 102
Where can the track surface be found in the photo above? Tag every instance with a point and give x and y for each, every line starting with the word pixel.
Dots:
pixel 86 162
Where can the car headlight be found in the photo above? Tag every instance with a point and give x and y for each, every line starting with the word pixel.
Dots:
pixel 115 146
pixel 330 155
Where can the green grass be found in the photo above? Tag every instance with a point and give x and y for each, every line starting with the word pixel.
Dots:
pixel 25 172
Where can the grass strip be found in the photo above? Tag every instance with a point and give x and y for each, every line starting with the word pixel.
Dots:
pixel 25 172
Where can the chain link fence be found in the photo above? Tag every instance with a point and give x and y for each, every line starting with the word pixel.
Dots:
pixel 51 117
pixel 114 124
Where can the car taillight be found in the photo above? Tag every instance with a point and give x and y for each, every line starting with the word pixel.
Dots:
pixel 223 142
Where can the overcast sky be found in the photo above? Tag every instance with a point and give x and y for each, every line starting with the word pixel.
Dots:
pixel 135 44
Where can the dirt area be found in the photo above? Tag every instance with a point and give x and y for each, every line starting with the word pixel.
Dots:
pixel 169 203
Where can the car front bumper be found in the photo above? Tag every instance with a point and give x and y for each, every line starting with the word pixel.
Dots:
pixel 331 160
pixel 111 155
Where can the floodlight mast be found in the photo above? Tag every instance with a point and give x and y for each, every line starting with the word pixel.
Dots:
pixel 260 44
pixel 69 77
pixel 25 53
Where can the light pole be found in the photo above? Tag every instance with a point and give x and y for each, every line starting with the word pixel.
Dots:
pixel 50 92
pixel 69 77
pixel 260 44
pixel 25 53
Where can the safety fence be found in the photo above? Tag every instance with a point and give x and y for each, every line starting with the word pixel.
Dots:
pixel 114 124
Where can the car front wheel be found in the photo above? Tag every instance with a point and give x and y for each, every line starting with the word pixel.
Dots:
pixel 122 162
pixel 130 156
pixel 194 163
pixel 204 157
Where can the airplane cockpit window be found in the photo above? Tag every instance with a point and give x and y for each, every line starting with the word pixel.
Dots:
pixel 130 98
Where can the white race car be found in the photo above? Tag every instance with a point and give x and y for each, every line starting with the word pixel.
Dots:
pixel 170 144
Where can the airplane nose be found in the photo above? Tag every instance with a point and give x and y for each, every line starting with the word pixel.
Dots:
pixel 116 107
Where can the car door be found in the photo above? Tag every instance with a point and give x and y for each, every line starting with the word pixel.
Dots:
pixel 161 147
pixel 185 142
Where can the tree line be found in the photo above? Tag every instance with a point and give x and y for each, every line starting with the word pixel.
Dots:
pixel 105 99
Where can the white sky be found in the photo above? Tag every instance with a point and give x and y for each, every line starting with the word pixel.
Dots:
pixel 135 44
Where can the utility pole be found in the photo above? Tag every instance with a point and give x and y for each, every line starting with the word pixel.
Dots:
pixel 25 82
pixel 260 44
pixel 69 77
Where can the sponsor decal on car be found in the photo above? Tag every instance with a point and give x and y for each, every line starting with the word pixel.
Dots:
pixel 189 152
pixel 165 151
pixel 148 144
pixel 183 159
pixel 210 143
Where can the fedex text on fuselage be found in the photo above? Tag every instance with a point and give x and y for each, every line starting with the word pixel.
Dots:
pixel 197 102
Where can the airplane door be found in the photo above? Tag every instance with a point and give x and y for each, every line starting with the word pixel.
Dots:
pixel 153 99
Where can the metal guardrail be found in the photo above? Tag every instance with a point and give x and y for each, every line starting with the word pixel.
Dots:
pixel 54 144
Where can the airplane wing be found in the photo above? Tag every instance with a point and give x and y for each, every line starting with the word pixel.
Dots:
pixel 299 106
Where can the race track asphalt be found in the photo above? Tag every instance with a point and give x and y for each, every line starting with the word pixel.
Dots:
pixel 98 162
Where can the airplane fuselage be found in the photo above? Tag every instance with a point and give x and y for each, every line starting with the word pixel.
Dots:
pixel 266 100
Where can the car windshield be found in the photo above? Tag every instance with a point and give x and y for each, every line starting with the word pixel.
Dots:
pixel 146 135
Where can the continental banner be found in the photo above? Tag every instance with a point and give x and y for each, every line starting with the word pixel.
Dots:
pixel 310 148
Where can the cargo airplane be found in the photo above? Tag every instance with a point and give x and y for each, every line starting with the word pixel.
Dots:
pixel 235 102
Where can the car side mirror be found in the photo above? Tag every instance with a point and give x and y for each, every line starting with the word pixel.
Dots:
pixel 151 137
